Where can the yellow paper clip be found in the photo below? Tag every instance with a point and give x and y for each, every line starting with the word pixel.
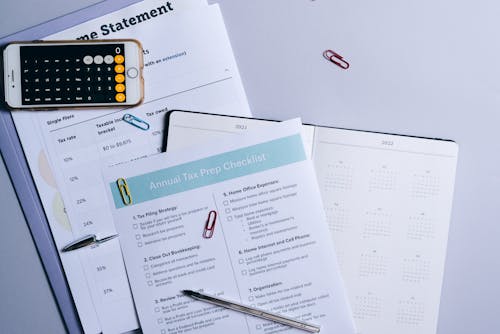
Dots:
pixel 124 191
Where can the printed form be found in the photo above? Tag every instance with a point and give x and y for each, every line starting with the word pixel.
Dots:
pixel 188 65
pixel 242 220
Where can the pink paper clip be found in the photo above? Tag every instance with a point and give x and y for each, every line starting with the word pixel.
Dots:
pixel 332 56
pixel 208 232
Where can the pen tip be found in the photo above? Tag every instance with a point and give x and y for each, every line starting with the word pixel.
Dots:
pixel 187 292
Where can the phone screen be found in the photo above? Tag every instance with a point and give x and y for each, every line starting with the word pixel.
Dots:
pixel 68 74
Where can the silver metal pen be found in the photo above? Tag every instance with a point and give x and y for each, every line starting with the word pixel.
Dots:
pixel 85 241
pixel 253 311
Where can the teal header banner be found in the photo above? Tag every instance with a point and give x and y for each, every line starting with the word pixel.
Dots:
pixel 207 171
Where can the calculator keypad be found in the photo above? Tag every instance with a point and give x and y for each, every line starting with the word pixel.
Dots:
pixel 73 74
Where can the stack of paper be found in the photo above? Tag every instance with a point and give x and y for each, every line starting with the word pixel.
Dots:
pixel 242 219
pixel 188 64
pixel 387 199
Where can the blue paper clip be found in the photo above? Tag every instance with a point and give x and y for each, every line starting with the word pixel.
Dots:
pixel 136 121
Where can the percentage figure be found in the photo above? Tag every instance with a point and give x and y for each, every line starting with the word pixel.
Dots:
pixel 81 201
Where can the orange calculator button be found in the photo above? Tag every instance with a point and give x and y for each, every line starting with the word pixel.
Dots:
pixel 119 78
pixel 119 68
pixel 120 97
pixel 120 88
pixel 119 59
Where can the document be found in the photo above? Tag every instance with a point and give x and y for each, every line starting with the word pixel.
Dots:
pixel 388 203
pixel 241 220
pixel 188 64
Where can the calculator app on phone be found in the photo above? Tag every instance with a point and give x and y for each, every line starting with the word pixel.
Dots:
pixel 73 74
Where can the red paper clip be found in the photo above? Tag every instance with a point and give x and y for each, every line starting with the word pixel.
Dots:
pixel 208 232
pixel 332 56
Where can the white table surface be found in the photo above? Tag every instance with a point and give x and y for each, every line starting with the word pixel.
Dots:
pixel 427 68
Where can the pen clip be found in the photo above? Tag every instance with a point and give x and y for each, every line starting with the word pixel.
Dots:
pixel 208 232
pixel 332 56
pixel 100 241
pixel 124 191
pixel 136 121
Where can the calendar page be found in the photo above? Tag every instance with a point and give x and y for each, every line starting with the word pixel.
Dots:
pixel 388 202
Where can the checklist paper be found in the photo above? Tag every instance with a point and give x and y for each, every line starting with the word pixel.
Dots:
pixel 241 220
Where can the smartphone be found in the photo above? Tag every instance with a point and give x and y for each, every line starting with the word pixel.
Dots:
pixel 75 74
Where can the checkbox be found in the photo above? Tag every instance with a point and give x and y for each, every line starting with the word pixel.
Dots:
pixel 148 275
pixel 146 267
pixel 250 299
pixel 157 309
pixel 137 237
pixel 160 321
pixel 135 226
pixel 139 244
pixel 225 203
pixel 163 331
pixel 150 283
pixel 228 210
pixel 241 261
pixel 229 218
pixel 244 272
pixel 259 326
